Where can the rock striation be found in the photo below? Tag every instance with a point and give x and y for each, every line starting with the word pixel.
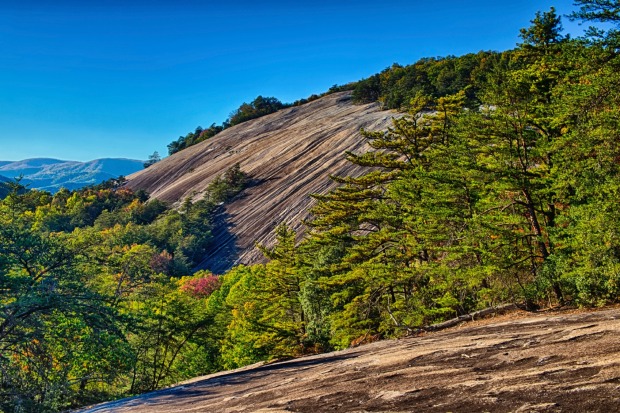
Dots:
pixel 287 156
pixel 520 362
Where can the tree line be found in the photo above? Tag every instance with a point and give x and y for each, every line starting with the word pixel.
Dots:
pixel 465 204
pixel 259 107
pixel 99 296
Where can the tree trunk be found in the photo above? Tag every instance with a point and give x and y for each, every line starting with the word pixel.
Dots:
pixel 542 247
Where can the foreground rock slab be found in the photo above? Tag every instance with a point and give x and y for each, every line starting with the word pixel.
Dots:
pixel 548 362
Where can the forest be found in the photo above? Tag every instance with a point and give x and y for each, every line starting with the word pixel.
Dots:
pixel 259 107
pixel 500 184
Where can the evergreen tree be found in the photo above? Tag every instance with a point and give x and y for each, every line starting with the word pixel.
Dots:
pixel 153 159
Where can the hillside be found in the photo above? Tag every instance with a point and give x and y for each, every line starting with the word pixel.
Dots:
pixel 287 155
pixel 53 174
pixel 517 363
pixel 3 189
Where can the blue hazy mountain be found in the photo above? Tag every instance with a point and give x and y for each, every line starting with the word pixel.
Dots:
pixel 52 174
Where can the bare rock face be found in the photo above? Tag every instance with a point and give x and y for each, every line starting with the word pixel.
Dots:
pixel 547 362
pixel 287 156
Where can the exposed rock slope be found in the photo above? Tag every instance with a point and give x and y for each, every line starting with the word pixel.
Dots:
pixel 287 155
pixel 535 363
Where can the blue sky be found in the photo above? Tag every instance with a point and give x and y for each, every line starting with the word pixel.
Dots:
pixel 82 80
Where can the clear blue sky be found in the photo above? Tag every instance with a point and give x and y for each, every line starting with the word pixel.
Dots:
pixel 89 79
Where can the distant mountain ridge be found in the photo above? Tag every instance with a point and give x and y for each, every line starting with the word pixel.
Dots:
pixel 50 174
